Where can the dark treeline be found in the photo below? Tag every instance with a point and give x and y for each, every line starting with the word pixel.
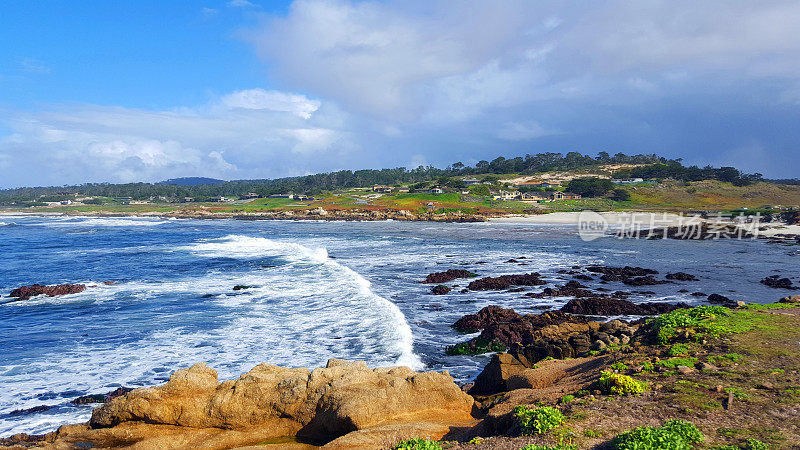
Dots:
pixel 657 167
pixel 675 170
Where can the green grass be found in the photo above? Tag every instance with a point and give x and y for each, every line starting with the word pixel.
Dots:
pixel 418 444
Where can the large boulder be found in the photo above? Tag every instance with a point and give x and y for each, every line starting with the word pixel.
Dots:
pixel 483 318
pixel 321 404
pixel 26 292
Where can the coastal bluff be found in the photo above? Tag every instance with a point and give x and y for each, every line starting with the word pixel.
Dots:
pixel 343 405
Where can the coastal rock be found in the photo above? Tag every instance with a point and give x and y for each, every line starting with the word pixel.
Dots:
pixel 483 318
pixel 681 276
pixel 570 289
pixel 101 398
pixel 26 292
pixel 775 281
pixel 440 290
pixel 322 404
pixel 622 272
pixel 448 275
pixel 717 299
pixel 607 306
pixel 506 281
pixel 790 299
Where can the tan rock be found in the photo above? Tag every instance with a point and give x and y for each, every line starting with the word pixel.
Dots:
pixel 271 401
pixel 790 299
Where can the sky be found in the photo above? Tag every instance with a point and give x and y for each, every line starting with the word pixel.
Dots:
pixel 145 90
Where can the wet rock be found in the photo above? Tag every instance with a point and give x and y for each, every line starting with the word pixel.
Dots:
pixel 101 398
pixel 681 276
pixel 483 318
pixel 717 299
pixel 506 281
pixel 240 287
pixel 624 272
pixel 26 292
pixel 698 294
pixel 440 290
pixel 448 275
pixel 35 409
pixel 607 306
pixel 775 281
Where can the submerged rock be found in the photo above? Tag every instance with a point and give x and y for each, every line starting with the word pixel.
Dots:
pixel 26 292
pixel 440 290
pixel 681 276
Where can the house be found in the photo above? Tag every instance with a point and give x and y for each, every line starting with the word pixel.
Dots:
pixel 625 181
pixel 249 195
pixel 538 184
pixel 123 200
pixel 533 196
pixel 470 181
pixel 564 196
pixel 435 190
pixel 382 189
pixel 220 199
pixel 403 190
pixel 289 196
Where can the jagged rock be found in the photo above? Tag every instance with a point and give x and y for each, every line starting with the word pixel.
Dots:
pixel 493 378
pixel 321 404
pixel 681 276
pixel 26 292
pixel 506 281
pixel 607 306
pixel 448 275
pixel 101 398
pixel 625 272
pixel 483 318
pixel 35 409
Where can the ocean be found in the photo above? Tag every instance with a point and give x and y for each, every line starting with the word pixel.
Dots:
pixel 315 290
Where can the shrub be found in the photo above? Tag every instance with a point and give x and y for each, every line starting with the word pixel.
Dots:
pixel 614 383
pixel 673 435
pixel 620 195
pixel 418 444
pixel 538 420
pixel 647 366
pixel 567 398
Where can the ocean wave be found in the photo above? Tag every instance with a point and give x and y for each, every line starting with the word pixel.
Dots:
pixel 101 222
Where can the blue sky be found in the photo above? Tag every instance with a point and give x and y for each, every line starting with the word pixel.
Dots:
pixel 149 90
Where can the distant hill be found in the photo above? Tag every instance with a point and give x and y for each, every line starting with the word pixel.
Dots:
pixel 192 181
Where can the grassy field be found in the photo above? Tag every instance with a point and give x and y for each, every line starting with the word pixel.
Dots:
pixel 711 195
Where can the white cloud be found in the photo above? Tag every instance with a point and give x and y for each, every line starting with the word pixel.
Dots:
pixel 298 105
pixel 35 66
pixel 240 4
pixel 245 134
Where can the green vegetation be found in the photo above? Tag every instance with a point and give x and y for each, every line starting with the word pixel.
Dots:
pixel 590 186
pixel 678 350
pixel 418 444
pixel 754 444
pixel 620 366
pixel 567 398
pixel 701 318
pixel 549 447
pixel 673 435
pixel 620 195
pixel 618 384
pixel 538 420
pixel 677 171
pixel 476 346
pixel 675 362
